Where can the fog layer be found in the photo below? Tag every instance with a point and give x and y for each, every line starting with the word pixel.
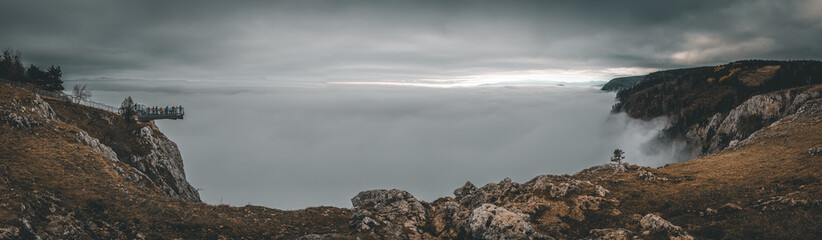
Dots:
pixel 292 148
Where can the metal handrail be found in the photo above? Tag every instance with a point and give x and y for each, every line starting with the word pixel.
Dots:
pixel 145 113
pixel 60 95
pixel 138 108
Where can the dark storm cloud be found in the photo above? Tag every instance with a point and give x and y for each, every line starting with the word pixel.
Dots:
pixel 319 41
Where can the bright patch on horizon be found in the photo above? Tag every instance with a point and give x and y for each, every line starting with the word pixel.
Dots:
pixel 517 78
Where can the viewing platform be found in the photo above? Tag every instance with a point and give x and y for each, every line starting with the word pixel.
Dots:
pixel 145 114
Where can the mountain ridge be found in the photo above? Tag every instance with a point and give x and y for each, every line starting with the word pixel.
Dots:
pixel 621 83
pixel 699 97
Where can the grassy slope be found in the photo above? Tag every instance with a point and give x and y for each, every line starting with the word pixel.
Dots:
pixel 776 165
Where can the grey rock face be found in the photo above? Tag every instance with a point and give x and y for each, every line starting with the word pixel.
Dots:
pixel 95 144
pixel 560 189
pixel 491 222
pixel 28 113
pixel 393 214
pixel 43 108
pixel 814 151
pixel 649 176
pixel 16 120
pixel 164 166
pixel 465 190
pixel 657 224
pixel 489 193
pixel 731 129
pixel 610 167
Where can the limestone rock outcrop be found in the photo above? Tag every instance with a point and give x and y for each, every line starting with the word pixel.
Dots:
pixel 491 222
pixel 656 224
pixel 394 214
pixel 27 113
pixel 42 107
pixel 730 129
pixel 649 176
pixel 502 210
pixel 95 144
pixel 163 164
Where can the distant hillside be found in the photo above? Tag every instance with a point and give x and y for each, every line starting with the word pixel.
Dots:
pixel 698 100
pixel 620 83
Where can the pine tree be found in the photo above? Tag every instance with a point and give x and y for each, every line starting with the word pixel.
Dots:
pixel 11 68
pixel 54 79
pixel 618 156
pixel 127 110
pixel 35 75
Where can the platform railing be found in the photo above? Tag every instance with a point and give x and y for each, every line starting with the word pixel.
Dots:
pixel 60 95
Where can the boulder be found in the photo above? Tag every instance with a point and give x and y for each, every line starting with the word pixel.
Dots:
pixel 559 187
pixel 491 222
pixel 392 213
pixel 656 224
pixel 465 190
pixel 489 193
pixel 815 151
pixel 649 176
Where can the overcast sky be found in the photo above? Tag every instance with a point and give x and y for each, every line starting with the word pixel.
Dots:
pixel 453 43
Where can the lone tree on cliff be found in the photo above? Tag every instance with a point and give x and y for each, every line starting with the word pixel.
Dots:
pixel 127 109
pixel 618 156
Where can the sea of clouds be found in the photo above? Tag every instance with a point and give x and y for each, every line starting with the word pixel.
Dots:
pixel 295 147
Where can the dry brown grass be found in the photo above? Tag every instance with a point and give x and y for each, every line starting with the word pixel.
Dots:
pixel 756 77
pixel 776 165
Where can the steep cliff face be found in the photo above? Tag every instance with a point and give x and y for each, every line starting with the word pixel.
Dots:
pixel 163 164
pixel 156 159
pixel 728 129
